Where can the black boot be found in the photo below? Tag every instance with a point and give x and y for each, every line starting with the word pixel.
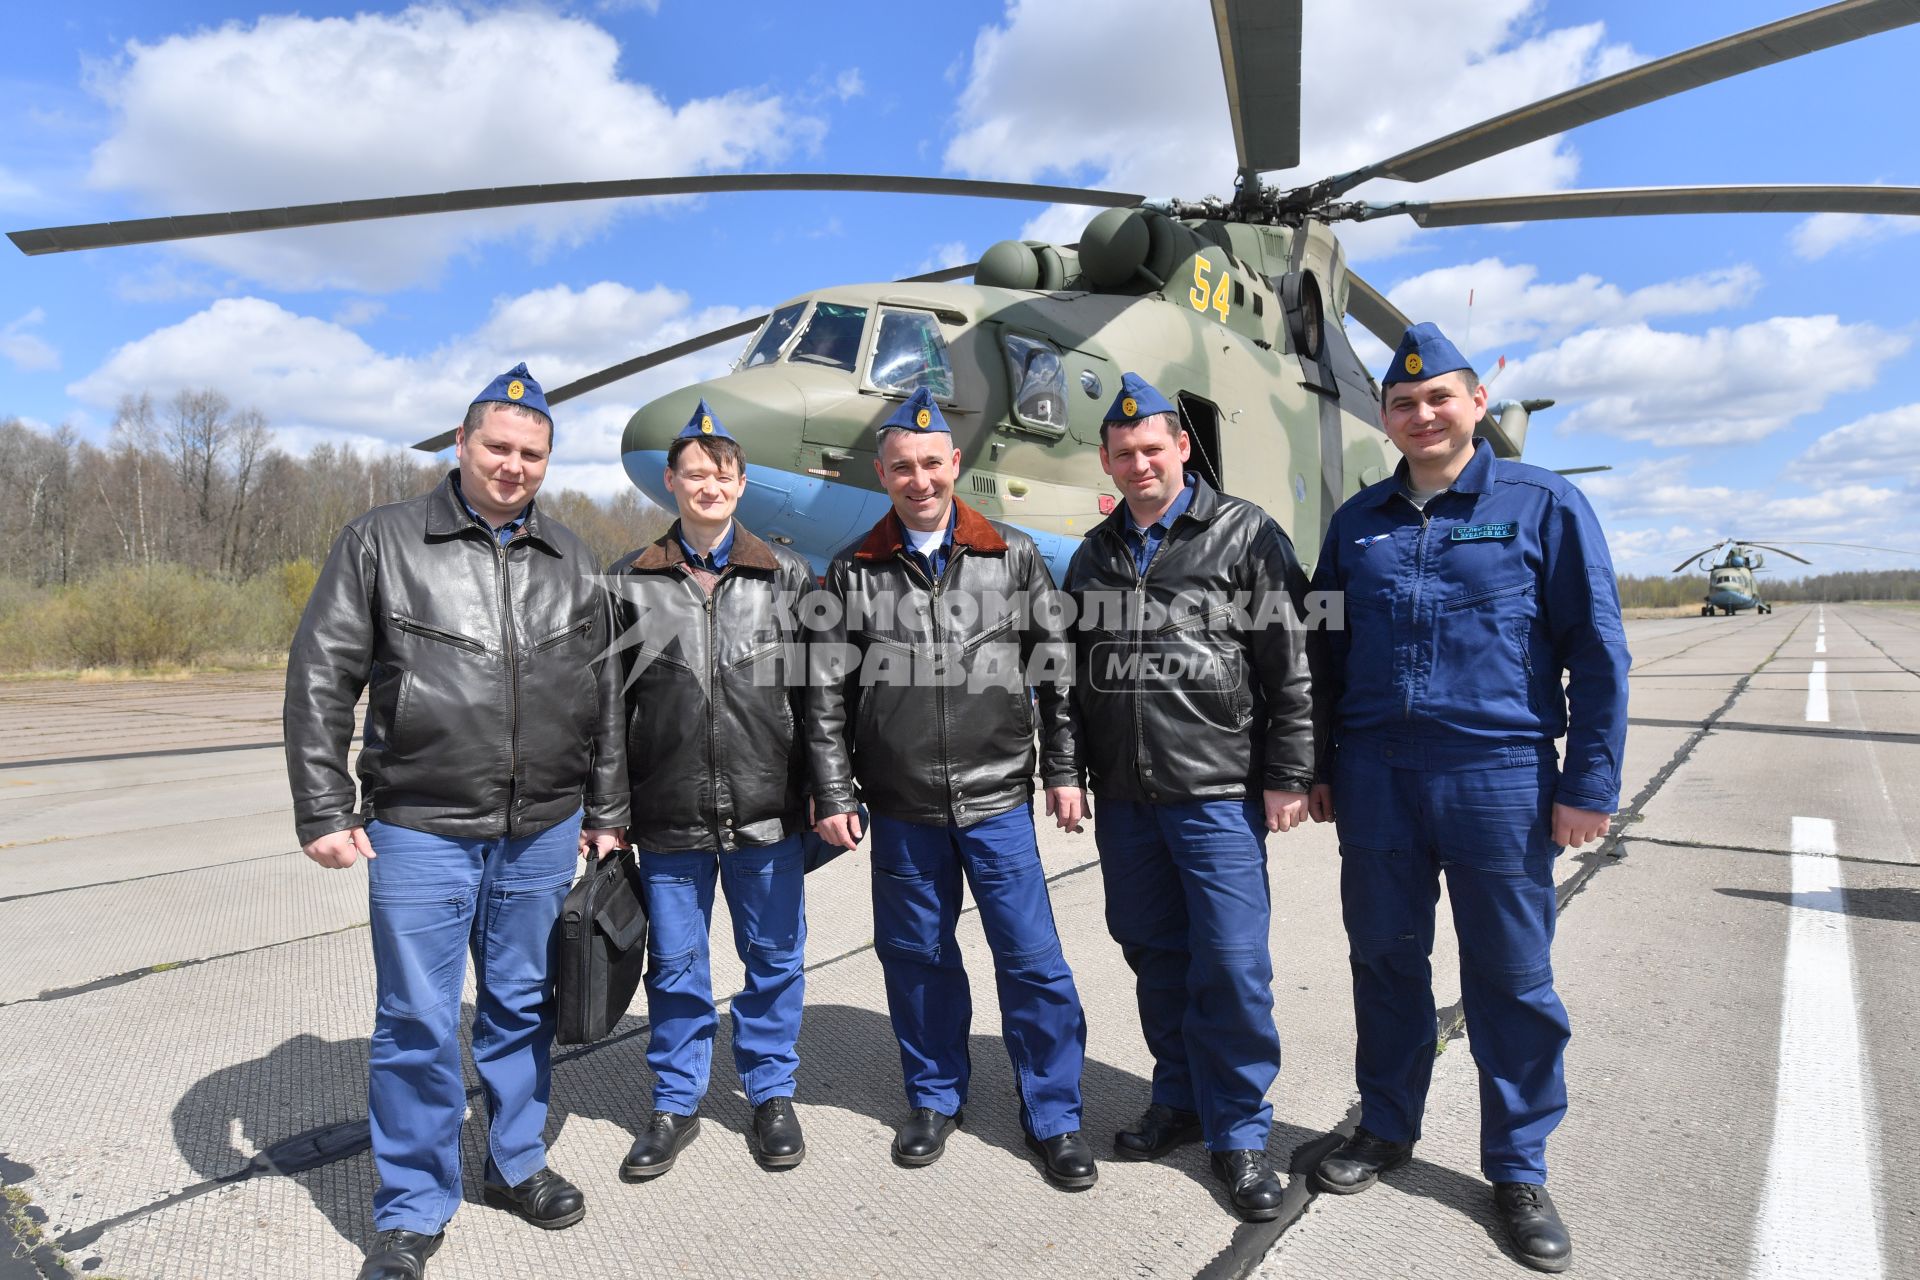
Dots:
pixel 778 1143
pixel 547 1200
pixel 1066 1160
pixel 655 1150
pixel 399 1255
pixel 924 1136
pixel 1251 1183
pixel 1161 1129
pixel 1359 1161
pixel 1534 1226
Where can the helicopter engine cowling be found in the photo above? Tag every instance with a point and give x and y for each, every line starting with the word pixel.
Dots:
pixel 1026 264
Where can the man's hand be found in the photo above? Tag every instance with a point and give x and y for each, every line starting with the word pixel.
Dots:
pixel 841 829
pixel 1320 802
pixel 1285 809
pixel 1574 827
pixel 602 841
pixel 1067 806
pixel 339 849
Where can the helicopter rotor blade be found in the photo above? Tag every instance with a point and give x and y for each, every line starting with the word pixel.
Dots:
pixel 195 226
pixel 1581 471
pixel 1376 315
pixel 1696 555
pixel 1627 202
pixel 1749 50
pixel 1857 546
pixel 1778 551
pixel 1260 59
pixel 662 355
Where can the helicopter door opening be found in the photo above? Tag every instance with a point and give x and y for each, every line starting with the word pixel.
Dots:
pixel 1202 422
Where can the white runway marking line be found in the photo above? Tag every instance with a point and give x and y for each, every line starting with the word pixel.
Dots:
pixel 1819 1215
pixel 1817 692
pixel 1820 635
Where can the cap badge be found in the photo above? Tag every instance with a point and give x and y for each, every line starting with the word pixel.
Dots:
pixel 1129 406
pixel 706 425
pixel 922 419
pixel 1414 362
pixel 516 389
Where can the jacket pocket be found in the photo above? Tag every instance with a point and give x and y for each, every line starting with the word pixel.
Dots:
pixel 572 631
pixel 413 626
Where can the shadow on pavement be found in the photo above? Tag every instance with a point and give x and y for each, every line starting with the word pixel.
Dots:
pixel 1878 902
pixel 312 1091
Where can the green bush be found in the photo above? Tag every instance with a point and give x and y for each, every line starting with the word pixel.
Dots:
pixel 166 615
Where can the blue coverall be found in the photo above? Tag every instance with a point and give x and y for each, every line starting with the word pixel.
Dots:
pixel 1436 708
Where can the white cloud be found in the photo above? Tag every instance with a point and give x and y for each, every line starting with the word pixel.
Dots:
pixel 849 84
pixel 292 110
pixel 1512 305
pixel 942 256
pixel 1879 446
pixel 1025 113
pixel 28 352
pixel 1653 489
pixel 359 311
pixel 1724 386
pixel 315 379
pixel 1823 233
pixel 15 192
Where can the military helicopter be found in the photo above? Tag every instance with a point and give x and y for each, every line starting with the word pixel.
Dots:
pixel 1730 583
pixel 1224 304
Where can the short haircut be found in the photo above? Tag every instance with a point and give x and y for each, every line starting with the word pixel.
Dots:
pixel 1468 379
pixel 721 451
pixel 1174 425
pixel 477 414
pixel 880 436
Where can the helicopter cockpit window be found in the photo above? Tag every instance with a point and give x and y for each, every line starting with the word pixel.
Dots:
pixel 910 352
pixel 832 337
pixel 1039 383
pixel 779 327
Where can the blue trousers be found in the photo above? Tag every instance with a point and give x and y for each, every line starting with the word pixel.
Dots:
pixel 434 900
pixel 1489 830
pixel 765 897
pixel 1189 904
pixel 916 903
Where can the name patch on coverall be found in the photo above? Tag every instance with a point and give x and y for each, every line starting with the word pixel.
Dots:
pixel 1475 532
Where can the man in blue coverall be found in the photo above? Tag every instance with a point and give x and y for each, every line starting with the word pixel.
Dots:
pixel 1471 583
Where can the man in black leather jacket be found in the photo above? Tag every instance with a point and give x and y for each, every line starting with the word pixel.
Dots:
pixel 493 757
pixel 1195 725
pixel 715 687
pixel 945 619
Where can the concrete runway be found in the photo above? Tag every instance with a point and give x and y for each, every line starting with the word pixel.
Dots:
pixel 182 993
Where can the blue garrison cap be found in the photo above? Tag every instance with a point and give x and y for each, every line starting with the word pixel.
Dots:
pixel 703 425
pixel 919 415
pixel 1137 399
pixel 1424 353
pixel 516 386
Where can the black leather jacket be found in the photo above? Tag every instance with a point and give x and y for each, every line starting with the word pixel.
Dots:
pixel 946 732
pixel 490 711
pixel 715 690
pixel 1209 698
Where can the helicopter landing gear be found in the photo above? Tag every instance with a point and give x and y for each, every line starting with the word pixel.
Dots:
pixel 1766 608
pixel 1706 611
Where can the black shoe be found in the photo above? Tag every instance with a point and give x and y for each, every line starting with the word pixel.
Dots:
pixel 400 1255
pixel 547 1200
pixel 1534 1226
pixel 776 1134
pixel 1251 1183
pixel 923 1137
pixel 1161 1129
pixel 1357 1163
pixel 1066 1160
pixel 655 1150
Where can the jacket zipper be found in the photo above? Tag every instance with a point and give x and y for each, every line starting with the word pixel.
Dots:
pixel 713 701
pixel 563 636
pixel 435 633
pixel 1413 622
pixel 504 578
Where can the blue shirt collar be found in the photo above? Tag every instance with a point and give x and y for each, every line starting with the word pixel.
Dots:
pixel 1475 477
pixel 1173 513
pixel 717 560
pixel 506 531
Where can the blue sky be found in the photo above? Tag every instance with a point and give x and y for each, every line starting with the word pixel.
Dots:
pixel 1744 374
